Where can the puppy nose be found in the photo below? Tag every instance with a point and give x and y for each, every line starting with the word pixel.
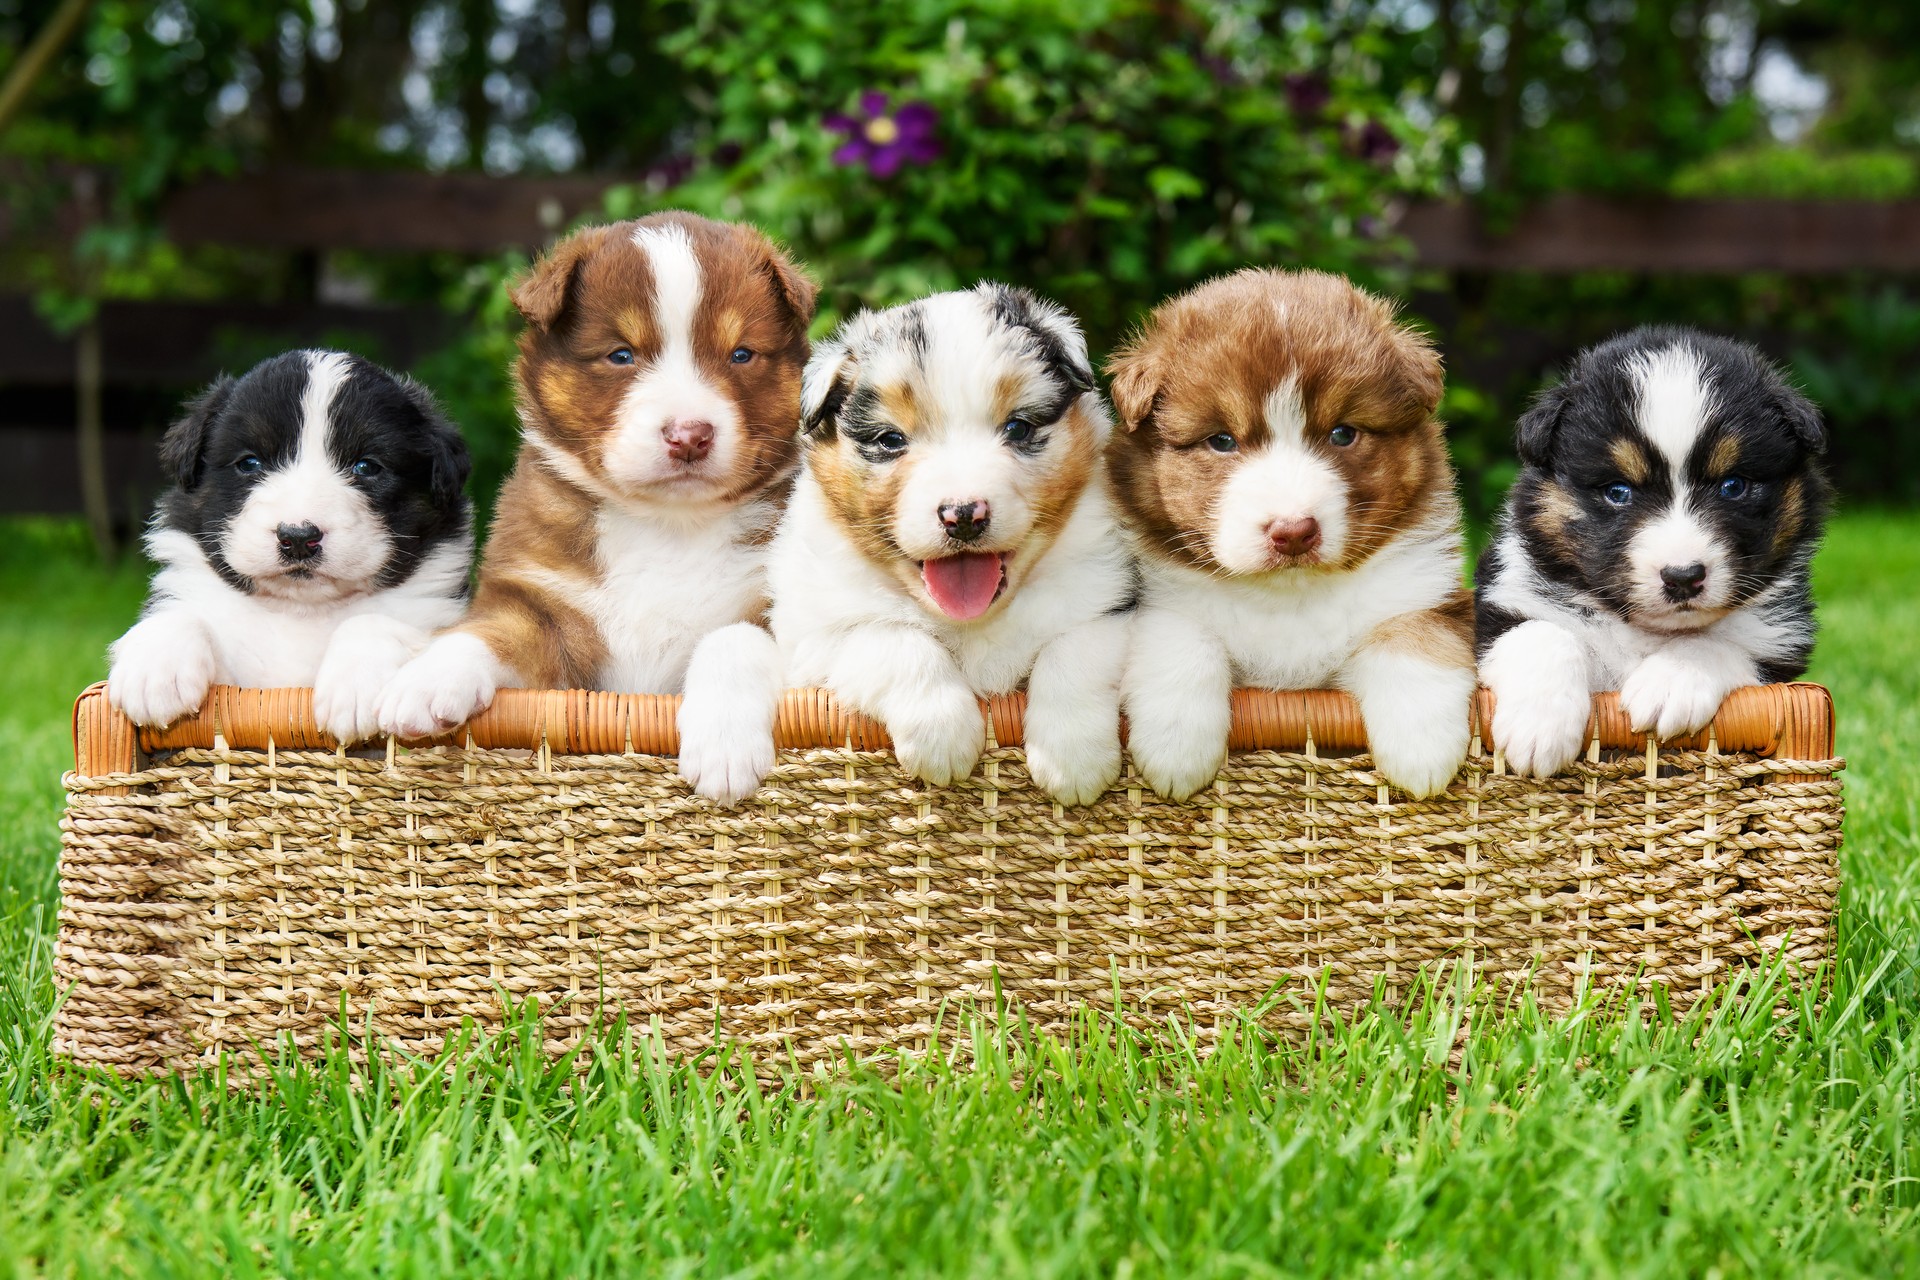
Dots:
pixel 1684 581
pixel 298 542
pixel 688 441
pixel 1294 537
pixel 964 521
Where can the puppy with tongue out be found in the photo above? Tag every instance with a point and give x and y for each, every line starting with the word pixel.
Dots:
pixel 951 536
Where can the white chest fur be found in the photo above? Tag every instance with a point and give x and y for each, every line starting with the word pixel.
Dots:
pixel 665 583
pixel 1295 630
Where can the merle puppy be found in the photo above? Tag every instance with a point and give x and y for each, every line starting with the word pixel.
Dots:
pixel 316 534
pixel 1656 542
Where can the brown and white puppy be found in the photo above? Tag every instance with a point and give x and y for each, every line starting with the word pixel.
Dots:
pixel 659 388
pixel 1297 524
pixel 951 536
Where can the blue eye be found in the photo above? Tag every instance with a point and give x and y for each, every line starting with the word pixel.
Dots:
pixel 248 465
pixel 1343 435
pixel 1618 495
pixel 366 468
pixel 620 355
pixel 1222 442
pixel 1016 431
pixel 741 355
pixel 1733 488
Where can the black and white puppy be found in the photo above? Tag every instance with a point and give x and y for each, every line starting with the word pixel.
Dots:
pixel 1657 542
pixel 316 534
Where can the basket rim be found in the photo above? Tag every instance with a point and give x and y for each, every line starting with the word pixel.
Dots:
pixel 1782 721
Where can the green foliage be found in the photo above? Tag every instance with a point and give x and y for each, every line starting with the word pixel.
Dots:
pixel 1736 1143
pixel 1858 367
pixel 1799 173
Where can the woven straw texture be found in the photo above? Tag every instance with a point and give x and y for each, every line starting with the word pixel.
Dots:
pixel 227 897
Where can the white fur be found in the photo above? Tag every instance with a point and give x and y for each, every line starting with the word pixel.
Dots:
pixel 1676 401
pixel 1282 482
pixel 199 631
pixel 1199 634
pixel 726 716
pixel 452 681
pixel 1538 674
pixel 1678 537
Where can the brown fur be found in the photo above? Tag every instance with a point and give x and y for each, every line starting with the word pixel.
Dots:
pixel 1443 635
pixel 1725 458
pixel 1206 362
pixel 592 292
pixel 1631 459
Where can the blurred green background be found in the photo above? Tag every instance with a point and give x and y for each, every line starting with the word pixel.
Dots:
pixel 1104 152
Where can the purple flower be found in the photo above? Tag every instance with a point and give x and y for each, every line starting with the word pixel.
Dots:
pixel 1308 93
pixel 1375 142
pixel 883 140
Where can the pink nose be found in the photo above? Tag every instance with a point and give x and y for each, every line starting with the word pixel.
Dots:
pixel 1294 537
pixel 688 441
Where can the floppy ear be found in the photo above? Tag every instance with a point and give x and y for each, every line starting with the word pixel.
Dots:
pixel 824 388
pixel 1136 384
pixel 1540 424
pixel 183 447
pixel 1801 416
pixel 446 448
pixel 790 282
pixel 1420 368
pixel 1062 346
pixel 541 295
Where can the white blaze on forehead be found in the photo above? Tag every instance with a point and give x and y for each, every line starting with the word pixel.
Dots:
pixel 327 372
pixel 676 281
pixel 1676 400
pixel 1286 412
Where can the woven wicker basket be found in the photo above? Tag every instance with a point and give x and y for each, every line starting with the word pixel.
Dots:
pixel 236 880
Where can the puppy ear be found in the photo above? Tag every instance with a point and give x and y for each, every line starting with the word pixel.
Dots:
pixel 792 284
pixel 1801 416
pixel 183 448
pixel 1420 368
pixel 446 448
pixel 1136 382
pixel 541 295
pixel 824 388
pixel 1540 424
pixel 1057 335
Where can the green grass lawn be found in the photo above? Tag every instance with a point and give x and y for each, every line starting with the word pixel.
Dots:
pixel 1726 1146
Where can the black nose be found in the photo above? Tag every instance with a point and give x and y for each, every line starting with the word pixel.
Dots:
pixel 298 542
pixel 1684 581
pixel 964 521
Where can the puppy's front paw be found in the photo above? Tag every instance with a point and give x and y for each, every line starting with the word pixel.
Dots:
pixel 1540 730
pixel 1669 696
pixel 726 750
pixel 940 742
pixel 1177 755
pixel 446 686
pixel 1421 754
pixel 362 660
pixel 160 673
pixel 1075 764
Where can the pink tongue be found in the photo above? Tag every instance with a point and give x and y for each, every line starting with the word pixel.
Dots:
pixel 964 585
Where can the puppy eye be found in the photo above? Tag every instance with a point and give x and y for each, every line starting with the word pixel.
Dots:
pixel 366 468
pixel 1016 431
pixel 248 465
pixel 620 355
pixel 1343 435
pixel 1222 442
pixel 741 355
pixel 1618 495
pixel 891 442
pixel 1733 488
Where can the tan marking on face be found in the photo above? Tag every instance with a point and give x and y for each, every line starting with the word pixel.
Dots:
pixel 1725 457
pixel 1206 362
pixel 1442 635
pixel 1793 516
pixel 1632 461
pixel 900 404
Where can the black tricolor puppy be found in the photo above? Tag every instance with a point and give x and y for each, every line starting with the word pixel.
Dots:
pixel 1657 542
pixel 316 534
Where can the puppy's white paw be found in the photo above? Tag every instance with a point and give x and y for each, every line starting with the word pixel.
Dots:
pixel 449 684
pixel 362 659
pixel 940 742
pixel 1420 753
pixel 162 669
pixel 1538 674
pixel 1669 696
pixel 726 747
pixel 1178 755
pixel 1074 763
